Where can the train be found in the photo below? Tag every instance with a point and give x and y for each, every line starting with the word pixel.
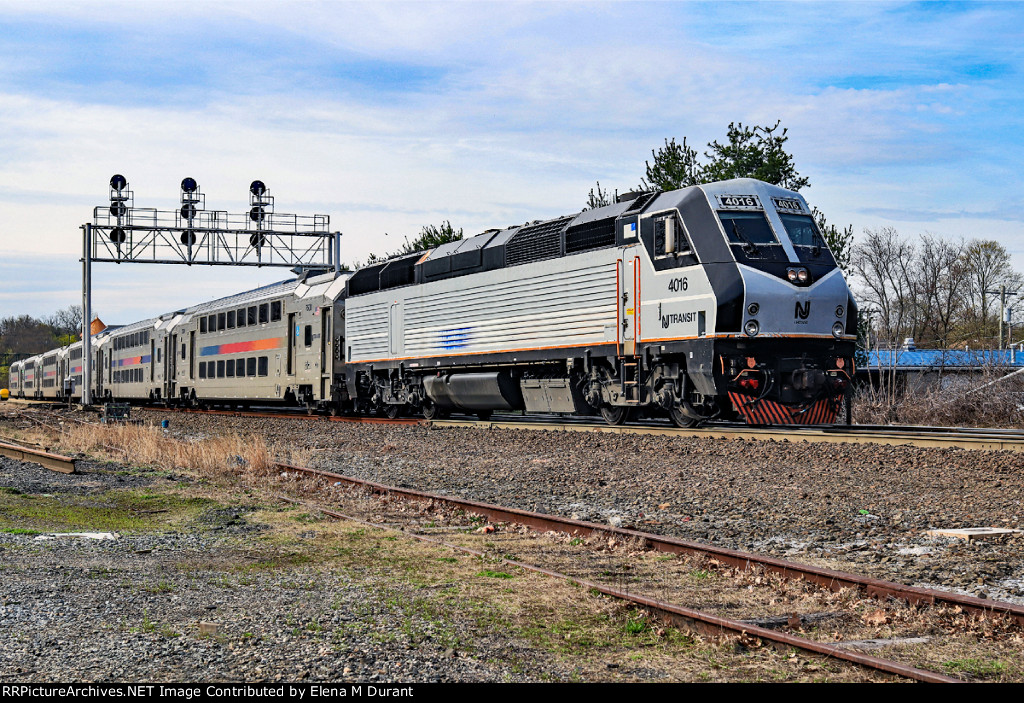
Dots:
pixel 719 301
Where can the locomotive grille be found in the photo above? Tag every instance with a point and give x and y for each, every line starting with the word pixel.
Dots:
pixel 536 242
pixel 641 202
pixel 592 235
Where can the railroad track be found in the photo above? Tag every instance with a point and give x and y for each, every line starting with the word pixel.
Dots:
pixel 919 436
pixel 54 462
pixel 991 439
pixel 687 618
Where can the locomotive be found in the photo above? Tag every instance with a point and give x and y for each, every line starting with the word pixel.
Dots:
pixel 716 301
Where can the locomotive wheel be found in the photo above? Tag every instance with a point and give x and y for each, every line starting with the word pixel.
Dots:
pixel 392 411
pixel 431 411
pixel 679 419
pixel 614 415
pixel 484 415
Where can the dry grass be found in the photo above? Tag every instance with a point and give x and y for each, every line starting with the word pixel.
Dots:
pixel 235 455
pixel 956 402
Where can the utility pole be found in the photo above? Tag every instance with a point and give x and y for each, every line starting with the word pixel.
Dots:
pixel 1002 314
pixel 1002 310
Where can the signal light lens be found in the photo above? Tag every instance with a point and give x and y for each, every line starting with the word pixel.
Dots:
pixel 117 235
pixel 189 185
pixel 257 188
pixel 188 211
pixel 256 214
pixel 188 237
pixel 118 209
pixel 118 182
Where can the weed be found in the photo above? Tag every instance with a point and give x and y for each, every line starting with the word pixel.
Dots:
pixel 495 574
pixel 977 667
pixel 637 625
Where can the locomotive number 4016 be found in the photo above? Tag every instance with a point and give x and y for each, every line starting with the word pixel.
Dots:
pixel 678 284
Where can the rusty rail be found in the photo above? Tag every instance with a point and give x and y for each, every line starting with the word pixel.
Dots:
pixel 688 618
pixel 826 578
pixel 54 462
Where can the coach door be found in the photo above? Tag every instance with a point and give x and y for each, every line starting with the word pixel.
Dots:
pixel 325 353
pixel 170 376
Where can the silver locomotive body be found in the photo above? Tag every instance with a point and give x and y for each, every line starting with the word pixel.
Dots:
pixel 712 301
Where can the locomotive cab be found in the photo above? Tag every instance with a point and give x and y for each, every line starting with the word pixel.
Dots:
pixel 786 343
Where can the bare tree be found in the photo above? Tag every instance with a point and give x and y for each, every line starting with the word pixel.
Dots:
pixel 988 264
pixel 66 324
pixel 941 282
pixel 599 197
pixel 884 262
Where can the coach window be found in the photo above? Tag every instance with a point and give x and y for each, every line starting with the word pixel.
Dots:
pixel 263 366
pixel 251 317
pixel 213 323
pixel 230 369
pixel 202 369
pixel 308 336
pixel 231 319
pixel 250 366
pixel 264 316
pixel 220 369
pixel 202 325
pixel 275 311
pixel 222 321
pixel 240 367
pixel 183 351
pixel 241 317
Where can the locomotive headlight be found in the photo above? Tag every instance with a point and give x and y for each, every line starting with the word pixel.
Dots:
pixel 802 275
pixel 753 309
pixel 837 330
pixel 752 328
pixel 791 275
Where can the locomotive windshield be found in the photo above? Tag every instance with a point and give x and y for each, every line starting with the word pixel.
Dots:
pixel 751 237
pixel 803 232
pixel 747 228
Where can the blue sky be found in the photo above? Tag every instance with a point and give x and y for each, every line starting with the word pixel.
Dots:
pixel 390 116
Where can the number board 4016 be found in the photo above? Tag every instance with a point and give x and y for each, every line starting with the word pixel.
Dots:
pixel 739 202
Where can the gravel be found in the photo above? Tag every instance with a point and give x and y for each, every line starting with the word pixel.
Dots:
pixel 125 609
pixel 861 507
pixel 131 608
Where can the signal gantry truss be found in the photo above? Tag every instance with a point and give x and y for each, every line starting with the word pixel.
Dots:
pixel 122 233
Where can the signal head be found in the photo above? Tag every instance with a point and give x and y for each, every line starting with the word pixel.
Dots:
pixel 189 185
pixel 118 182
pixel 257 188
